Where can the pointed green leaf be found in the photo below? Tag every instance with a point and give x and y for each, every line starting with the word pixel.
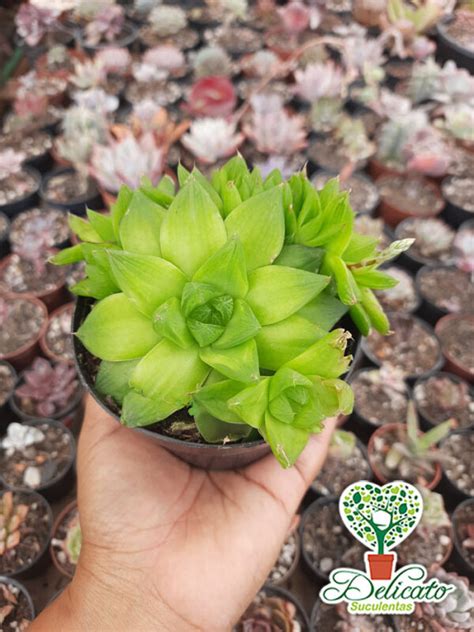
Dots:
pixel 242 327
pixel 102 224
pixel 216 431
pixel 360 247
pixel 325 310
pixel 138 410
pixel 374 311
pixel 434 436
pixel 115 330
pixel 196 294
pixel 147 281
pixel 98 283
pixel 192 230
pixel 251 403
pixel 113 378
pixel 375 279
pixel 226 270
pixel 157 194
pixel 394 250
pixel 169 374
pixel 207 186
pixel 260 225
pixel 167 185
pixel 360 319
pixel 277 292
pixel 67 256
pixel 230 198
pixel 170 323
pixel 286 441
pixel 333 397
pixel 302 257
pixel 214 399
pixel 119 208
pixel 238 363
pixel 83 229
pixel 325 357
pixel 183 174
pixel 283 341
pixel 347 288
pixel 141 225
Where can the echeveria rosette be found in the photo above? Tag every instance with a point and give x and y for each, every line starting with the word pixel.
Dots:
pixel 285 408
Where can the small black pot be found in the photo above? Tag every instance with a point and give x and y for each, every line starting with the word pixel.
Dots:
pixel 22 589
pixel 277 591
pixel 448 488
pixel 427 310
pixel 4 241
pixel 92 200
pixel 42 163
pixel 453 214
pixel 449 49
pixel 309 567
pixel 127 38
pixel 458 556
pixel 61 484
pixel 408 259
pixel 41 561
pixel 6 413
pixel 13 208
pixel 315 613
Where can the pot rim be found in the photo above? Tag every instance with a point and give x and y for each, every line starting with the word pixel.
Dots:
pixel 79 200
pixel 284 593
pixel 456 540
pixel 42 342
pixel 59 519
pixel 6 579
pixel 454 378
pixel 438 330
pixel 466 431
pixel 28 345
pixel 42 295
pixel 441 32
pixel 313 507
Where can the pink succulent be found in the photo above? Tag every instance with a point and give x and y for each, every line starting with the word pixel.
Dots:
pixel 210 139
pixel 319 80
pixel 114 59
pixel 164 57
pixel 33 22
pixel 427 153
pixel 422 47
pixel 295 17
pixel 107 24
pixel 212 96
pixel 30 104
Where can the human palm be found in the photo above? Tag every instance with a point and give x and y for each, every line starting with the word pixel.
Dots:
pixel 187 548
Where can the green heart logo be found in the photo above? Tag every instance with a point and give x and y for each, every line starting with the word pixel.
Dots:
pixel 381 517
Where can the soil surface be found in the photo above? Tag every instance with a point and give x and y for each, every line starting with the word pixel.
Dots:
pixel 259 615
pixel 329 154
pixel 39 464
pixel 428 546
pixel 410 194
pixel 464 526
pixel 401 298
pixel 58 336
pixel 7 382
pixel 379 398
pixel 458 191
pixel 185 39
pixel 457 341
pixel 363 194
pixel 32 145
pixel 443 397
pixel 460 30
pixel 433 239
pixel 22 275
pixel 338 473
pixel 68 187
pixel 448 289
pixel 327 542
pixel 459 468
pixel 410 348
pixel 285 561
pixel 160 92
pixel 50 225
pixel 22 323
pixel 59 539
pixel 237 40
pixel 335 618
pixel 33 532
pixel 14 608
pixel 16 187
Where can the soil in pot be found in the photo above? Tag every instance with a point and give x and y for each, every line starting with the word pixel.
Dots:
pixel 433 240
pixel 443 396
pixel 326 543
pixel 346 463
pixel 16 607
pixel 458 191
pixel 458 449
pixel 237 40
pixel 28 519
pixel 35 455
pixel 401 298
pixel 459 29
pixel 456 335
pixel 66 540
pixel 22 322
pixel 381 396
pixel 329 154
pixel 412 347
pixel 448 289
pixel 462 162
pixel 373 227
pixel 463 522
pixel 47 225
pixel 57 340
pixel 160 92
pixel 7 382
pixel 287 560
pixel 35 276
pixel 185 39
pixel 363 195
pixel 273 609
pixel 33 145
pixel 408 196
pixel 17 187
pixel 67 187
pixel 328 618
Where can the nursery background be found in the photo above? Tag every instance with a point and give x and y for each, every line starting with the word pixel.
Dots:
pixel 380 93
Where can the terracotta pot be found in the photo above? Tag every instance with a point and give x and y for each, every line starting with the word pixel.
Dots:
pixel 451 363
pixel 393 215
pixel 68 509
pixel 387 429
pixel 381 566
pixel 22 357
pixel 43 344
pixel 377 169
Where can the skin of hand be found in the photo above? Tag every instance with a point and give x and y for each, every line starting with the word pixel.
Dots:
pixel 167 546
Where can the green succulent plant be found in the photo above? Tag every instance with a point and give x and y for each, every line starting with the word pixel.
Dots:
pixel 221 297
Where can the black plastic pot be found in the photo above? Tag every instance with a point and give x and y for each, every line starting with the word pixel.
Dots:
pixel 14 582
pixel 13 208
pixel 449 49
pixel 41 561
pixel 311 569
pixel 4 241
pixel 408 259
pixel 6 413
pixel 458 556
pixel 451 492
pixel 315 613
pixel 61 484
pixel 42 163
pixel 277 591
pixel 453 214
pixel 92 200
pixel 427 310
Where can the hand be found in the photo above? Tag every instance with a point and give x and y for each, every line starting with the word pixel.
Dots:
pixel 167 546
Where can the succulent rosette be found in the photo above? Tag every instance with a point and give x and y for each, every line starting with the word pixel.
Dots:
pixel 213 298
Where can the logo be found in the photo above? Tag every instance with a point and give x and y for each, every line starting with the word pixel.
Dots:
pixel 381 517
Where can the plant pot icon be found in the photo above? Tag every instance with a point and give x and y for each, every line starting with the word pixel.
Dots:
pixel 380 566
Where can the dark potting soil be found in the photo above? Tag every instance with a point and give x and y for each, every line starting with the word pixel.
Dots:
pixel 459 468
pixel 410 471
pixel 50 225
pixel 363 194
pixel 7 382
pixel 60 537
pixel 448 288
pixel 4 226
pixel 58 335
pixel 237 40
pixel 327 542
pixel 379 398
pixel 160 92
pixel 328 153
pixel 338 473
pixel 273 613
pixel 457 341
pixel 427 545
pixel 410 348
pixel 402 297
pixel 184 40
pixel 441 397
pixel 15 611
pixel 335 618
pixel 246 87
pixel 32 144
pixel 21 275
pixel 418 622
pixel 68 187
pixel 458 191
pixel 16 187
pixel 411 195
pixel 460 29
pixel 464 526
pixel 21 323
pixel 285 560
pixel 38 464
pixel 25 542
pixel 462 162
pixel 433 239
